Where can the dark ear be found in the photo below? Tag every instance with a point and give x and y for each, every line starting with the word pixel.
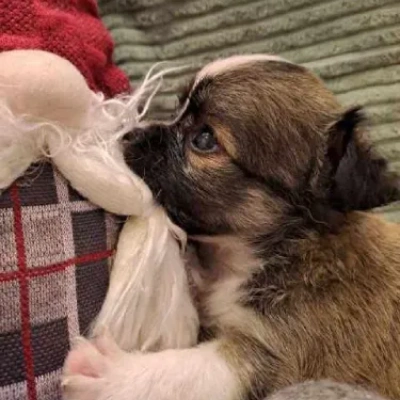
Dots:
pixel 359 178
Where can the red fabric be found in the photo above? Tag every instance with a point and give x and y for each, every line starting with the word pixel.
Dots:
pixel 69 28
pixel 52 268
pixel 24 295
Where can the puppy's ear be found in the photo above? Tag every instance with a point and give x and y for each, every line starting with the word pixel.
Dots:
pixel 359 178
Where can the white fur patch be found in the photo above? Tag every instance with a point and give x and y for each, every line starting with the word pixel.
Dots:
pixel 229 264
pixel 222 65
pixel 100 371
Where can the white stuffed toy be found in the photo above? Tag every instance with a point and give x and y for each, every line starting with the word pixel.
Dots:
pixel 47 110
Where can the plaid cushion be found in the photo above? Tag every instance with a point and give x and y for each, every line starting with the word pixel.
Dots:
pixel 55 249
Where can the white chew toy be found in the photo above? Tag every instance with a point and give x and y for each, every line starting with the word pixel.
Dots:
pixel 47 110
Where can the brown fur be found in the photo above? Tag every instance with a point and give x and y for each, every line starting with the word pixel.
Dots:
pixel 296 279
pixel 324 309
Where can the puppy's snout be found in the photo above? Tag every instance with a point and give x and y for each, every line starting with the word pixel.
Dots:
pixel 143 148
pixel 136 136
pixel 146 134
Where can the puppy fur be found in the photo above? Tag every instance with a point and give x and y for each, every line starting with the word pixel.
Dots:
pixel 295 279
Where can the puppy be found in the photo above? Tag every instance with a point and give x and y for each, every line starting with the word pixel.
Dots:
pixel 273 181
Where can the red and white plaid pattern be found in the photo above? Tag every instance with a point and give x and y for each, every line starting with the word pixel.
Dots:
pixel 55 249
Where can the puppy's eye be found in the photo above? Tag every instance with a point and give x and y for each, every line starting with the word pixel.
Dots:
pixel 205 141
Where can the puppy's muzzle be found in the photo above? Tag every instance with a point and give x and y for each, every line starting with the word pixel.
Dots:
pixel 143 148
pixel 139 135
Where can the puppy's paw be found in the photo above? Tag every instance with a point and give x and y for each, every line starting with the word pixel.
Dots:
pixel 99 370
pixel 87 368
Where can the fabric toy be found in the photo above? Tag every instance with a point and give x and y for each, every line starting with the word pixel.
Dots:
pixel 54 105
pixel 49 111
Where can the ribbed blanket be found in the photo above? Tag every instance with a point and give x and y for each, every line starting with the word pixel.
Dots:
pixel 354 45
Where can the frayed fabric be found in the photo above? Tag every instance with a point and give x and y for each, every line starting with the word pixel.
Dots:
pixel 149 306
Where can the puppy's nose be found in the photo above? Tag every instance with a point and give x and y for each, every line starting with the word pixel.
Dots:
pixel 147 133
pixel 142 146
pixel 136 136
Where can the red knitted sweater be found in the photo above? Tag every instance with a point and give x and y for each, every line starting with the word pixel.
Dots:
pixel 69 28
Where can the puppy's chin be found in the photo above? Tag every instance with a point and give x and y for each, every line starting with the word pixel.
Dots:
pixel 187 222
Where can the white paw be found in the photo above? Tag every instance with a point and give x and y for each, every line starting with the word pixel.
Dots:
pixel 91 367
pixel 100 370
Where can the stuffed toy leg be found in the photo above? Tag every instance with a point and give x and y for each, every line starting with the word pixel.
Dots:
pixel 48 110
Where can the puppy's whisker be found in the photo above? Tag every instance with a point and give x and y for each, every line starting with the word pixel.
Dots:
pixel 158 194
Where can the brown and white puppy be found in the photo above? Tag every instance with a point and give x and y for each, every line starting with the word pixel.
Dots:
pixel 272 179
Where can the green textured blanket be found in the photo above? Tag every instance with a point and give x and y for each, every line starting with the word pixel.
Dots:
pixel 354 45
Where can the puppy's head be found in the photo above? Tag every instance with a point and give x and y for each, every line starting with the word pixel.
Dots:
pixel 258 141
